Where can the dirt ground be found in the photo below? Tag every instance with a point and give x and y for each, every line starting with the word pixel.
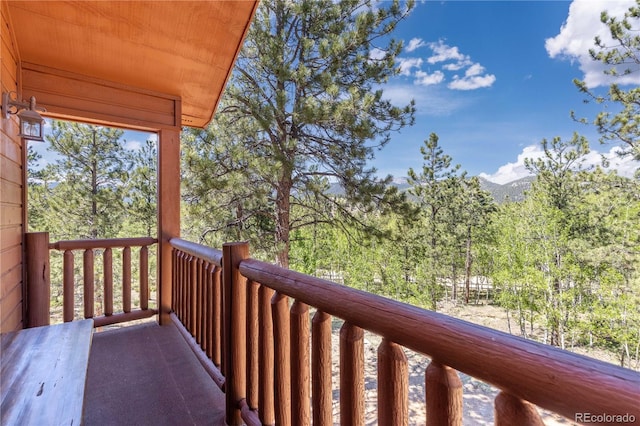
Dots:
pixel 478 396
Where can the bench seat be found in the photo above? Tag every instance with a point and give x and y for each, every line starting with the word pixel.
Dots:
pixel 43 374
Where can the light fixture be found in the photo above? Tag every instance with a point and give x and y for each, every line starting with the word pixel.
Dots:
pixel 31 123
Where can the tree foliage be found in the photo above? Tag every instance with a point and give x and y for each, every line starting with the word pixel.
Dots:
pixel 619 122
pixel 305 107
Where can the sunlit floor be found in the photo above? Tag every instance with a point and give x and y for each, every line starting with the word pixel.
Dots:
pixel 146 375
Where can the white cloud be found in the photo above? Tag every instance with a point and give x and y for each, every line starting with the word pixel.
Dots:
pixel 472 82
pixel 577 35
pixel 443 53
pixel 406 65
pixel 450 60
pixel 414 44
pixel 425 79
pixel 516 170
pixel 376 54
pixel 133 145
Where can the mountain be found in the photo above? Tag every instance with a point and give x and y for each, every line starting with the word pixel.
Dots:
pixel 511 191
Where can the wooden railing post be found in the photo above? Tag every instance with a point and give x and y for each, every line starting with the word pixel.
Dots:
pixel 351 375
pixel 235 301
pixel 38 278
pixel 321 366
pixel 510 410
pixel 443 390
pixel 393 382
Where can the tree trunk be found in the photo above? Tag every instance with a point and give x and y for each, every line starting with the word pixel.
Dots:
pixel 283 211
pixel 467 267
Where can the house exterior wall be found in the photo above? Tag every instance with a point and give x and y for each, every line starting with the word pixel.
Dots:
pixel 12 190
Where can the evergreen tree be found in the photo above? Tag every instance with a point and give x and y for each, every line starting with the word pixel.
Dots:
pixel 306 108
pixel 622 59
pixel 435 189
pixel 87 201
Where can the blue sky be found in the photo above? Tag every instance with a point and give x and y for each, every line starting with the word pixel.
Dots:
pixel 493 79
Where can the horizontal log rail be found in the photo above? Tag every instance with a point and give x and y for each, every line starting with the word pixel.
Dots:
pixel 261 329
pixel 88 247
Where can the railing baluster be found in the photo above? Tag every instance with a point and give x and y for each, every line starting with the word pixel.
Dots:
pixel 265 378
pixel 443 390
pixel 193 296
pixel 198 302
pixel 206 306
pixel 144 277
pixel 68 284
pixel 107 261
pixel 393 382
pixel 126 279
pixel 351 375
pixel 322 393
pixel 88 283
pixel 252 345
pixel 511 410
pixel 300 380
pixel 217 317
pixel 282 361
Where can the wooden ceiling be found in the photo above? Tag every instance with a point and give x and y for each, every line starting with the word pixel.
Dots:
pixel 179 48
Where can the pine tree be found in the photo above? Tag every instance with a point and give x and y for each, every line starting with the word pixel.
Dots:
pixel 87 201
pixel 622 59
pixel 306 107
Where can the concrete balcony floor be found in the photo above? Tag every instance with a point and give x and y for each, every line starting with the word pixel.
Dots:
pixel 146 375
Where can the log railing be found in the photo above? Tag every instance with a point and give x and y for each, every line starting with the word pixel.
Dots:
pixel 257 323
pixel 106 246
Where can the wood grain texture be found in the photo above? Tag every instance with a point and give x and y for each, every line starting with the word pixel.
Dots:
pixel 322 388
pixel 510 410
pixel 351 375
pixel 181 48
pixel 43 374
pixel 38 279
pixel 443 389
pixel 393 382
pixel 527 369
pixel 300 362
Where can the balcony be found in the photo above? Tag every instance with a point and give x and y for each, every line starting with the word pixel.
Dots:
pixel 249 342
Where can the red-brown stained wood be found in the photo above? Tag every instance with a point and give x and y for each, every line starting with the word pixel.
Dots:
pixel 253 366
pixel 216 356
pixel 351 375
pixel 206 308
pixel 393 382
pixel 282 361
pixel 265 377
pixel 322 392
pixel 107 261
pixel 102 243
pixel 443 390
pixel 126 279
pixel 68 283
pixel 198 300
pixel 38 278
pixel 507 362
pixel 144 277
pixel 510 410
pixel 88 278
pixel 300 375
pixel 168 211
pixel 235 324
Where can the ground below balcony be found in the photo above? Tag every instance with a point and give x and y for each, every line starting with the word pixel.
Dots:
pixel 147 375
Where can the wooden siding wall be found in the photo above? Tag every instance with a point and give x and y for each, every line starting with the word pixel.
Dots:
pixel 12 205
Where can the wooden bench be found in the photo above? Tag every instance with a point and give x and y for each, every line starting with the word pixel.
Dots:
pixel 43 374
